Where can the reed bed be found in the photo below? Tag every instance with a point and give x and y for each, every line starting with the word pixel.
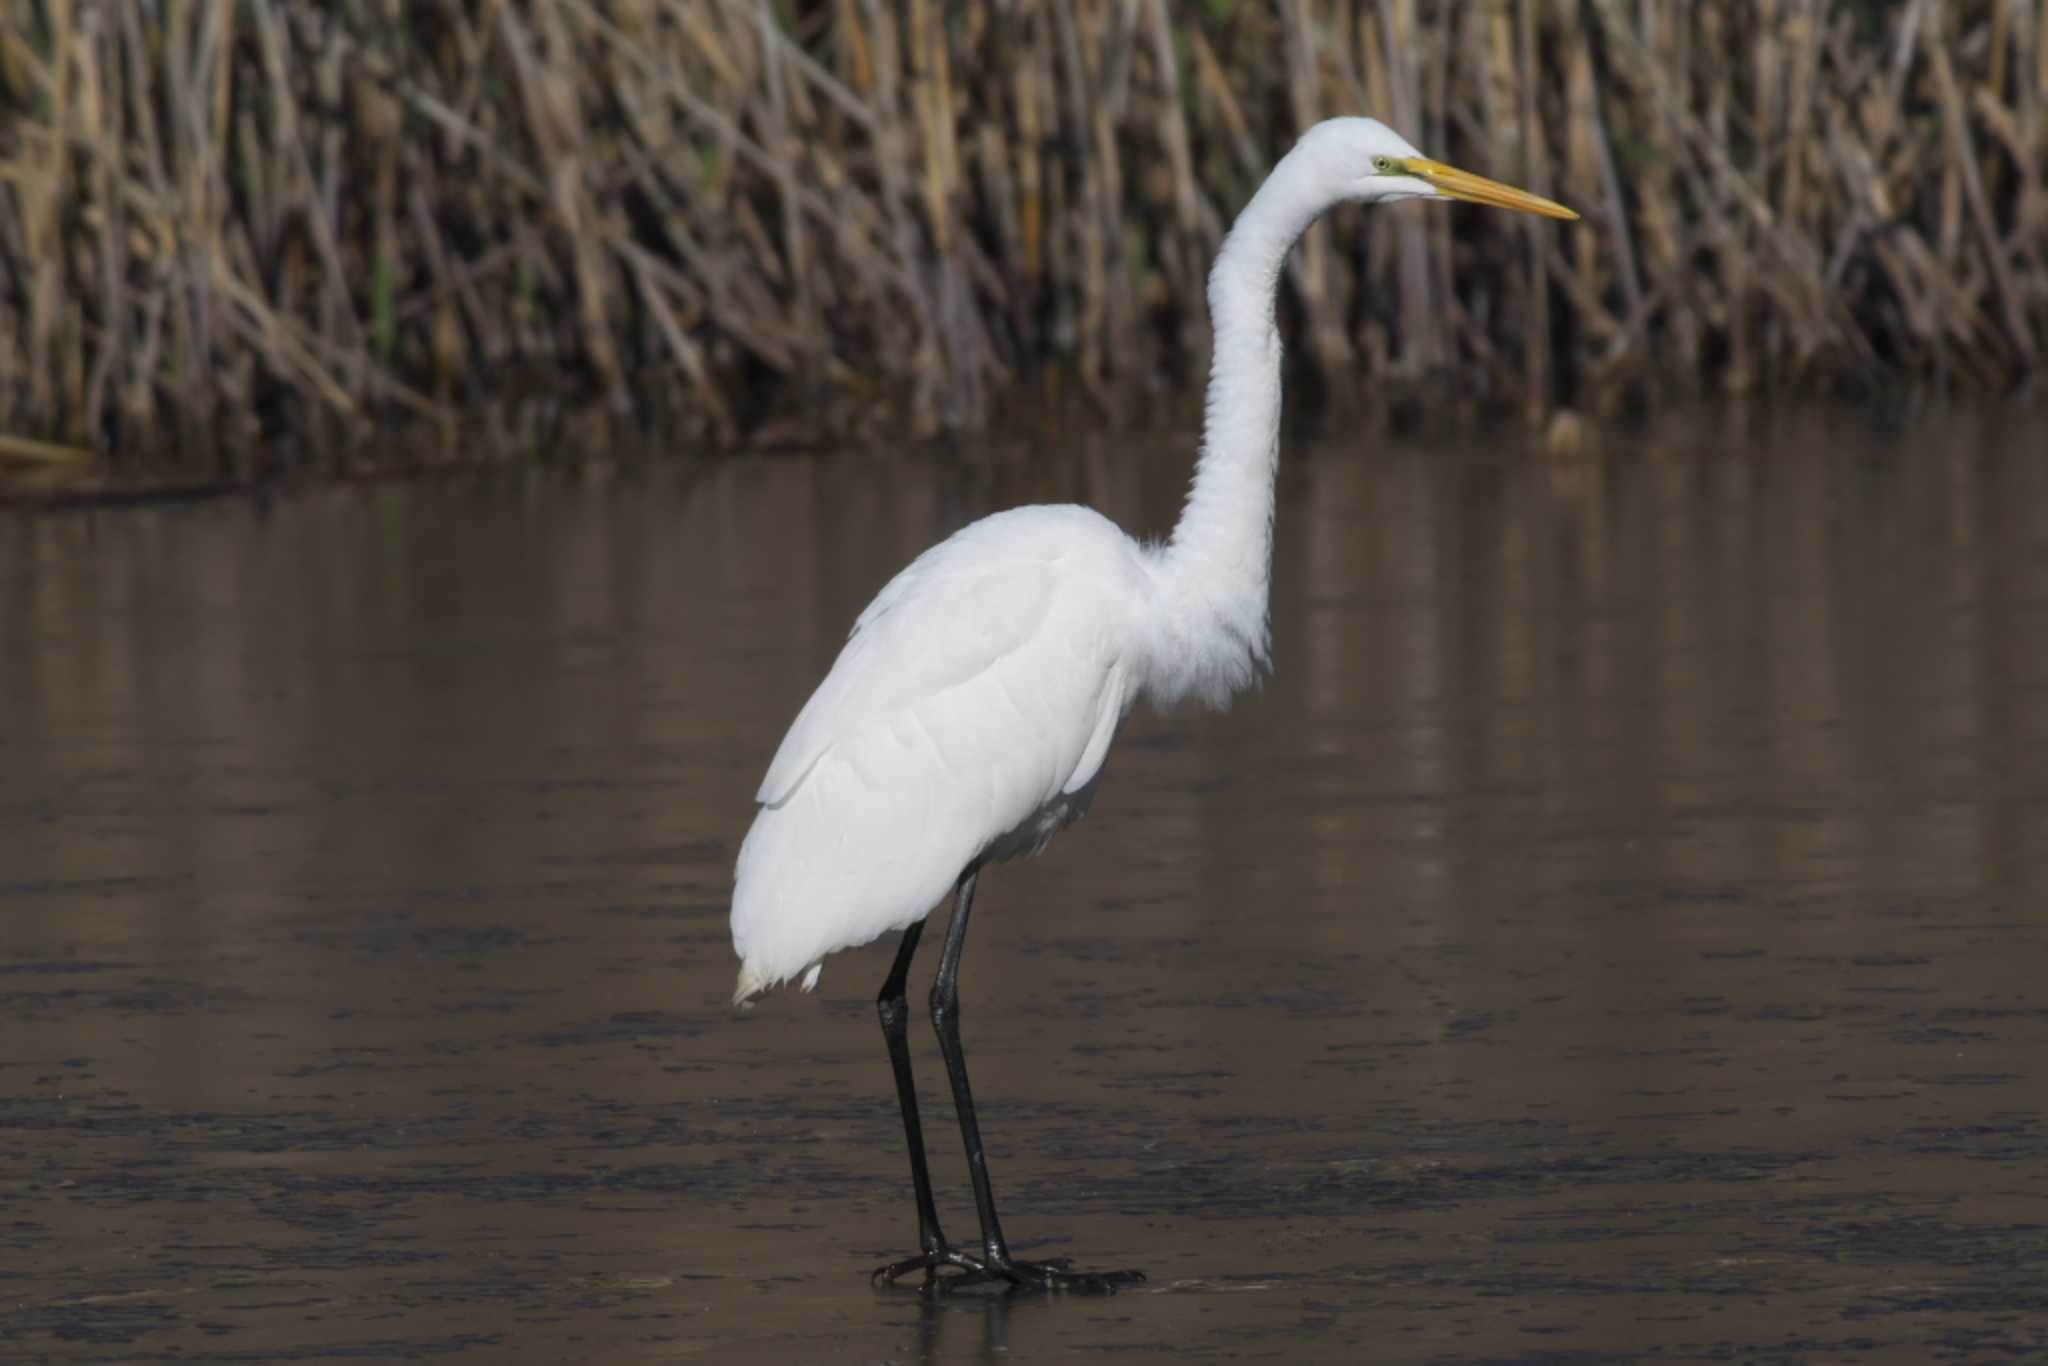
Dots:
pixel 228 221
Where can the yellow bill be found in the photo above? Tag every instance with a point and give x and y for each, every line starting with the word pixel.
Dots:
pixel 1479 190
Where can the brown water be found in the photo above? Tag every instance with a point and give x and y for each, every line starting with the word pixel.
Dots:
pixel 1615 933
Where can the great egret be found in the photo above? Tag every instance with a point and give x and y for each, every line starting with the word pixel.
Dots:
pixel 968 714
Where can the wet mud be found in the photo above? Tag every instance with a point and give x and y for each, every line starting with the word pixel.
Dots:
pixel 1614 934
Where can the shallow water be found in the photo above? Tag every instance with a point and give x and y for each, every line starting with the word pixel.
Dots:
pixel 1615 933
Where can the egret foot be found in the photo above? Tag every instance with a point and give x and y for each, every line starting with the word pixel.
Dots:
pixel 1057 1273
pixel 942 1266
pixel 947 1267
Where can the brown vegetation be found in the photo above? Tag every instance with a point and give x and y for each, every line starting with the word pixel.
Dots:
pixel 227 219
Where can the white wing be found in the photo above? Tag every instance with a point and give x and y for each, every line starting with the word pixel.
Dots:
pixel 927 631
pixel 984 682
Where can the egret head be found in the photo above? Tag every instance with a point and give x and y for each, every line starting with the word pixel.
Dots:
pixel 1371 163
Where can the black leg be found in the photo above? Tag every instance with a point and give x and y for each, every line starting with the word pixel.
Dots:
pixel 894 1008
pixel 945 1006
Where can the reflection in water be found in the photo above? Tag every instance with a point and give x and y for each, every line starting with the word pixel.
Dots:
pixel 1622 902
pixel 970 1326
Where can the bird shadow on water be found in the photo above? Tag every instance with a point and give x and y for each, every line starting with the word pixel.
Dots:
pixel 952 1321
pixel 956 1324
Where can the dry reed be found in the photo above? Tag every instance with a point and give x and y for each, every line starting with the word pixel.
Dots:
pixel 226 220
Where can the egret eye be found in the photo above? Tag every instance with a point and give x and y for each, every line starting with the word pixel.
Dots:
pixel 1383 165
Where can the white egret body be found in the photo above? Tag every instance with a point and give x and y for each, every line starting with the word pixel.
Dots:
pixel 968 716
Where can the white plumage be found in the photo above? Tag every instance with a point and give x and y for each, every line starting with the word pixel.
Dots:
pixel 969 713
pixel 967 716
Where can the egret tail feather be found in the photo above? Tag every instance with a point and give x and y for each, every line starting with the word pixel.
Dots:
pixel 754 980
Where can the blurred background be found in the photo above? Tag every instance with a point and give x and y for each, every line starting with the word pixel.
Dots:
pixel 223 222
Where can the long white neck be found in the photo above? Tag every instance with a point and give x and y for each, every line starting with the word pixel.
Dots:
pixel 1217 568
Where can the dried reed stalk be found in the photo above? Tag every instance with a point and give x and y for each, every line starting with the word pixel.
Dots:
pixel 223 219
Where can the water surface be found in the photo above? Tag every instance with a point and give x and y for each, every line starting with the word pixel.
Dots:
pixel 1614 933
